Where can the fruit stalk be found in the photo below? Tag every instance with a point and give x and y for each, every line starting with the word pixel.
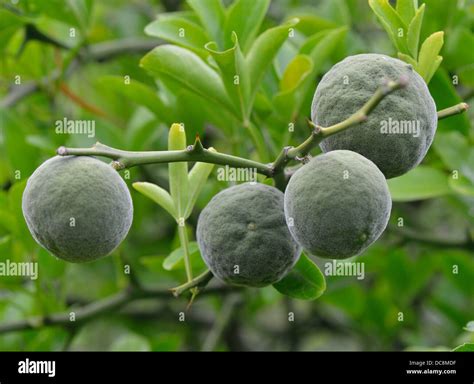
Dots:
pixel 454 110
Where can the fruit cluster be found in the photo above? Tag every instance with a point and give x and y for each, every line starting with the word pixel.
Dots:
pixel 334 206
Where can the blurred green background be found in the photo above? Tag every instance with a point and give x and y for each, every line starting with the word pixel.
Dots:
pixel 418 290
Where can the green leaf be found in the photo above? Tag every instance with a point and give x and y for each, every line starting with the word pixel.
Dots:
pixel 420 183
pixel 466 347
pixel 178 172
pixel 264 50
pixel 413 34
pixel 188 70
pixel 197 179
pixel 443 91
pixel 139 93
pixel 462 185
pixel 181 32
pixel 305 281
pixel 158 195
pixel 211 13
pixel 289 98
pixel 310 24
pixel 428 60
pixel 10 23
pixel 393 24
pixel 407 59
pixel 406 9
pixel 130 342
pixel 244 17
pixel 452 148
pixel 234 74
pixel 175 260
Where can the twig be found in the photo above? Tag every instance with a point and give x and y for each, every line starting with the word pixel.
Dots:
pixel 221 323
pixel 127 159
pixel 451 111
pixel 97 308
pixel 198 282
pixel 319 133
pixel 97 52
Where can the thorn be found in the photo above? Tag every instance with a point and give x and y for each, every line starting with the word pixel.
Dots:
pixel 197 147
pixel 117 165
pixel 403 81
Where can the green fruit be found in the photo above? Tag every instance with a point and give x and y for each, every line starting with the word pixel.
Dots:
pixel 78 208
pixel 243 237
pixel 412 110
pixel 337 204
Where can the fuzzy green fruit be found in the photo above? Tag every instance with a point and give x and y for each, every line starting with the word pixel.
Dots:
pixel 337 204
pixel 78 208
pixel 348 86
pixel 243 237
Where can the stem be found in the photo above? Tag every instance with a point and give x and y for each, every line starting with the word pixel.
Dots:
pixel 97 52
pixel 319 133
pixel 454 110
pixel 198 282
pixel 183 238
pixel 221 323
pixel 127 159
pixel 97 308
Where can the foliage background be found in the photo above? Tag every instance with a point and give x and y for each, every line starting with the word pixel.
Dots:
pixel 409 271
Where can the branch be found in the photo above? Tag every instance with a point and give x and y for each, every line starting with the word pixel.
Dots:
pixel 198 282
pixel 97 308
pixel 97 52
pixel 454 110
pixel 319 133
pixel 126 159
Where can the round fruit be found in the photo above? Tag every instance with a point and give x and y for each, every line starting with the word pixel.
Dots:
pixel 337 204
pixel 398 132
pixel 243 237
pixel 78 208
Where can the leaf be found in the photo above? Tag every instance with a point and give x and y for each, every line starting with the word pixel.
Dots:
pixel 158 195
pixel 197 179
pixel 291 93
pixel 175 260
pixel 407 59
pixel 189 70
pixel 130 342
pixel 310 24
pixel 462 185
pixel 452 148
pixel 181 32
pixel 393 24
pixel 466 347
pixel 211 13
pixel 305 281
pixel 428 60
pixel 263 52
pixel 406 9
pixel 178 172
pixel 10 23
pixel 420 183
pixel 445 94
pixel 139 93
pixel 413 34
pixel 244 17
pixel 234 74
